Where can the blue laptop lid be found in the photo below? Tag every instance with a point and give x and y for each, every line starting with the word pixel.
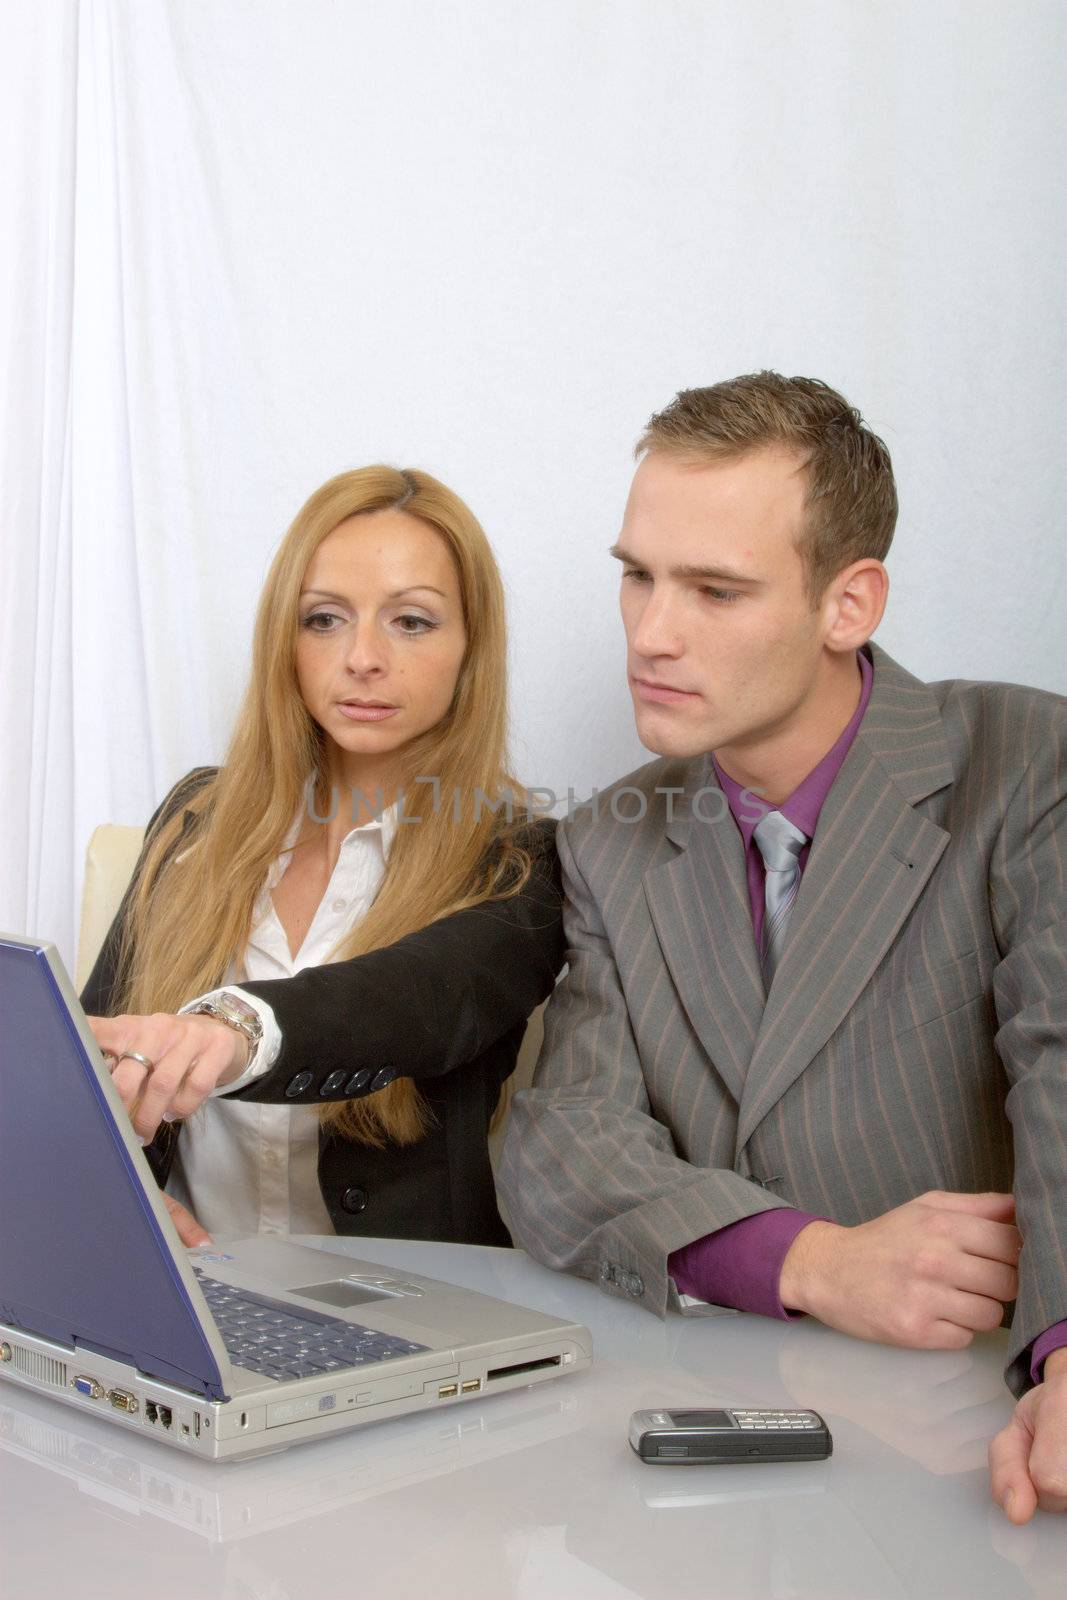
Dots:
pixel 83 1259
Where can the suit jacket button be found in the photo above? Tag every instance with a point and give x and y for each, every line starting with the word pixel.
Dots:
pixel 297 1085
pixel 358 1082
pixel 334 1084
pixel 383 1076
pixel 354 1201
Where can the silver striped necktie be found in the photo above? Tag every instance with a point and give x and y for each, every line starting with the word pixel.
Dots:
pixel 780 844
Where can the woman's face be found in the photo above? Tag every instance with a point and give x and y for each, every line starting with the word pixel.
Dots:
pixel 381 638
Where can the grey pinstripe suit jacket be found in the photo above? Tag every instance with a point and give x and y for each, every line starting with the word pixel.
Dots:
pixel 917 1021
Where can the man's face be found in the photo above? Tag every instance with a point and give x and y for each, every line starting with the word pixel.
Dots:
pixel 723 647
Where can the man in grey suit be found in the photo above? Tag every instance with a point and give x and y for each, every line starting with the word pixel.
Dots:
pixel 810 1054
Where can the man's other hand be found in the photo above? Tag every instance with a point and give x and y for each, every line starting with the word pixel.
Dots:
pixel 1028 1458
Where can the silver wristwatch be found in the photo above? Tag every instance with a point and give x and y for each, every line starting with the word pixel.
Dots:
pixel 236 1013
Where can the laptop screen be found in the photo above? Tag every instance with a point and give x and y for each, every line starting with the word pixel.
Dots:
pixel 83 1260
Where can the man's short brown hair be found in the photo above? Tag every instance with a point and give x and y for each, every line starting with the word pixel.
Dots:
pixel 851 500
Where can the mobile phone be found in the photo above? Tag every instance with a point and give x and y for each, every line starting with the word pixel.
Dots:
pixel 688 1438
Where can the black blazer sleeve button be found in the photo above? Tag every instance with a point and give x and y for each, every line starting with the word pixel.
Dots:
pixel 297 1085
pixel 358 1082
pixel 354 1201
pixel 383 1076
pixel 334 1085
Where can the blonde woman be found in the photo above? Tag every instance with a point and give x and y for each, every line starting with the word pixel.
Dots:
pixel 319 978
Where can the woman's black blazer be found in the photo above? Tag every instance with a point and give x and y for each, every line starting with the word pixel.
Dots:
pixel 446 1006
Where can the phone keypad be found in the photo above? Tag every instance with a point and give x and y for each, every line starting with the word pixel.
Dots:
pixel 777 1421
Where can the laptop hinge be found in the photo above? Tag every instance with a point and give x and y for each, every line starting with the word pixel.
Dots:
pixel 152 1367
pixel 103 1350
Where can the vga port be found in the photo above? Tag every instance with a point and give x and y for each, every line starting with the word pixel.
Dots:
pixel 88 1387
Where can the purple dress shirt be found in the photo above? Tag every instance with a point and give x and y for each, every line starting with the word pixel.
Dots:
pixel 740 1265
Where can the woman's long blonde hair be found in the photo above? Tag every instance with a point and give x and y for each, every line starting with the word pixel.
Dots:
pixel 191 908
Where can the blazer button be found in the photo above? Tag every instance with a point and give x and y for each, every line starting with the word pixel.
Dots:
pixel 383 1076
pixel 357 1083
pixel 354 1201
pixel 334 1084
pixel 297 1085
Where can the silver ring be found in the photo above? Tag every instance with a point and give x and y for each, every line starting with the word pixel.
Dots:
pixel 135 1055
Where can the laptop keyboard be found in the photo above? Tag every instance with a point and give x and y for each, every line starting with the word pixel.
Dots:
pixel 279 1341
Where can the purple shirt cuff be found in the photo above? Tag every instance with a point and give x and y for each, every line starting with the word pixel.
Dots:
pixel 740 1265
pixel 1053 1338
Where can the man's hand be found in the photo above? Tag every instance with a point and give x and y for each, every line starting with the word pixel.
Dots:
pixel 189 1230
pixel 190 1057
pixel 1028 1458
pixel 928 1275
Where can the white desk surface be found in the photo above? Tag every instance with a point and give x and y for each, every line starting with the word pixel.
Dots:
pixel 538 1494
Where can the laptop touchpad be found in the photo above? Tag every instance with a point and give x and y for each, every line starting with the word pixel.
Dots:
pixel 343 1292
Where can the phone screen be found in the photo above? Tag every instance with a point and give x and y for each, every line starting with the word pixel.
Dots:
pixel 702 1419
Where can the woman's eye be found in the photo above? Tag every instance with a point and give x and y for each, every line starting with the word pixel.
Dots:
pixel 321 621
pixel 413 624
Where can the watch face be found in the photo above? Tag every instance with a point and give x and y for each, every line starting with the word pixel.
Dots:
pixel 238 1008
pixel 228 1002
pixel 228 1008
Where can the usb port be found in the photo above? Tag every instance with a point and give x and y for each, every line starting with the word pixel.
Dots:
pixel 471 1384
pixel 122 1400
pixel 447 1390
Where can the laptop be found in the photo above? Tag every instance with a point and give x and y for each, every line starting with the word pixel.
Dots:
pixel 227 1352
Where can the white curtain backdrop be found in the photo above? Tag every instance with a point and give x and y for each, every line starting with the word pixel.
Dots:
pixel 247 245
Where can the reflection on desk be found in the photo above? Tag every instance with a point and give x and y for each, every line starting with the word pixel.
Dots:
pixel 537 1493
pixel 222 1505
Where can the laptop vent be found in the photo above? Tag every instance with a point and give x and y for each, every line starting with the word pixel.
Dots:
pixel 42 1369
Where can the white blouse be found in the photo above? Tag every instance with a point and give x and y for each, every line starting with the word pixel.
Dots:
pixel 243 1168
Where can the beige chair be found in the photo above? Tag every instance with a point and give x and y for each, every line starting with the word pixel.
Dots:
pixel 109 863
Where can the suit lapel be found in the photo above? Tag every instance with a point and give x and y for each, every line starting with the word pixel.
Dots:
pixel 870 859
pixel 700 908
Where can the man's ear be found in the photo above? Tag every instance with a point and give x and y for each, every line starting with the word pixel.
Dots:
pixel 853 604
